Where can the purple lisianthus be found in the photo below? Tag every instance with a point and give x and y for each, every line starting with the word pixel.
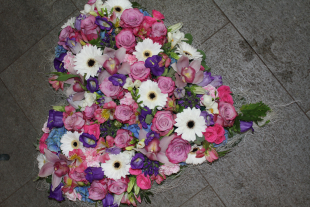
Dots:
pixel 108 201
pixel 137 161
pixel 217 81
pixel 94 173
pixel 92 84
pixel 103 23
pixel 152 63
pixel 150 136
pixel 208 118
pixel 57 193
pixel 55 119
pixel 74 46
pixel 179 93
pixel 88 140
pixel 118 79
pixel 207 79
pixel 143 115
pixel 245 126
pixel 113 150
pixel 78 20
pixel 58 64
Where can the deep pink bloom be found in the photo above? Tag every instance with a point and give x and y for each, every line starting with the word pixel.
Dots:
pixel 144 182
pixel 178 150
pixel 42 144
pixel 131 18
pixel 98 190
pixel 93 129
pixel 214 134
pixel 77 173
pixel 135 171
pixel 118 186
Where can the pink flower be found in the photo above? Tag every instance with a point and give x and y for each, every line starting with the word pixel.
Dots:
pixel 170 104
pixel 163 122
pixel 89 28
pixel 93 129
pixel 157 15
pixel 111 90
pixel 131 18
pixel 89 111
pixel 77 173
pixel 118 186
pixel 45 129
pixel 123 138
pixel 67 32
pixel 124 113
pixel 110 140
pixel 74 122
pixel 224 94
pixel 98 190
pixel 69 111
pixel 169 169
pixel 126 39
pixel 42 144
pixel 145 29
pixel 127 99
pixel 211 155
pixel 92 157
pixel 166 85
pixel 178 150
pixel 165 61
pixel 158 178
pixel 211 90
pixel 131 59
pixel 158 29
pixel 215 134
pixel 226 116
pixel 135 171
pixel 56 84
pixel 69 63
pixel 139 72
pixel 144 182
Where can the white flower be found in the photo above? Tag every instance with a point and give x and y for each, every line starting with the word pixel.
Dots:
pixel 192 159
pixel 175 27
pixel 87 61
pixel 129 155
pixel 117 167
pixel 41 160
pixel 175 38
pixel 70 23
pixel 88 8
pixel 90 99
pixel 190 123
pixel 210 104
pixel 128 83
pixel 137 83
pixel 118 6
pixel 189 51
pixel 70 141
pixel 141 144
pixel 151 95
pixel 147 49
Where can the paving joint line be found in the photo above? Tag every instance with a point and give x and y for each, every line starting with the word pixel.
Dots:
pixel 74 5
pixel 260 58
pixel 214 33
pixel 15 191
pixel 193 196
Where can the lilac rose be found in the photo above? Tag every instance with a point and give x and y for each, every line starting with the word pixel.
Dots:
pixel 126 39
pixel 98 190
pixel 123 113
pixel 166 85
pixel 138 71
pixel 118 186
pixel 227 114
pixel 131 18
pixel 178 150
pixel 158 29
pixel 163 122
pixel 122 138
pixel 111 90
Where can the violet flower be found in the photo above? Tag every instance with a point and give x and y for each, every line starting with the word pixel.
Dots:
pixel 143 115
pixel 153 64
pixel 245 126
pixel 55 119
pixel 78 20
pixel 207 79
pixel 150 136
pixel 88 140
pixel 56 193
pixel 92 84
pixel 217 82
pixel 118 79
pixel 108 201
pixel 208 118
pixel 94 173
pixel 103 23
pixel 113 150
pixel 58 64
pixel 137 161
pixel 179 93
pixel 74 46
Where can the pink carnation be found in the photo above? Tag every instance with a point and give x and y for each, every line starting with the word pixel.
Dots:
pixel 131 59
pixel 127 99
pixel 169 169
pixel 92 157
pixel 69 63
pixel 211 90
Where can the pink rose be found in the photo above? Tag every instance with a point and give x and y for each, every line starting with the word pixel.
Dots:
pixel 126 39
pixel 89 28
pixel 144 182
pixel 166 85
pixel 131 18
pixel 178 150
pixel 163 122
pixel 135 171
pixel 89 111
pixel 139 72
pixel 224 94
pixel 93 129
pixel 98 190
pixel 215 134
pixel 123 113
pixel 69 63
pixel 74 122
pixel 158 29
pixel 122 138
pixel 118 186
pixel 111 90
pixel 226 116
pixel 169 169
pixel 157 15
pixel 64 34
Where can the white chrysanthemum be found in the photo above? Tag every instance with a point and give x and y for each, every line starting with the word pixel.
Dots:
pixel 118 6
pixel 189 51
pixel 41 160
pixel 70 141
pixel 151 95
pixel 86 62
pixel 190 123
pixel 70 23
pixel 117 167
pixel 147 49
pixel 192 159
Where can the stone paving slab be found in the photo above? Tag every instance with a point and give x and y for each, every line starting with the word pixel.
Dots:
pixel 269 168
pixel 25 22
pixel 279 31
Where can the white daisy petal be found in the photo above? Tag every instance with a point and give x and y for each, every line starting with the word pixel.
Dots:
pixel 147 49
pixel 192 159
pixel 70 141
pixel 117 167
pixel 118 6
pixel 189 51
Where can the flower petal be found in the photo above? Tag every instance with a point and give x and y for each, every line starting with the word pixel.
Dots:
pixel 120 54
pixel 198 77
pixel 196 65
pixel 51 157
pixel 182 63
pixel 55 181
pixel 46 170
pixel 124 69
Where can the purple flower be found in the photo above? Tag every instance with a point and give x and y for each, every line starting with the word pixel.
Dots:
pixel 137 161
pixel 207 79
pixel 245 126
pixel 217 82
pixel 118 79
pixel 208 118
pixel 143 115
pixel 150 136
pixel 152 63
pixel 103 23
pixel 55 119
pixel 78 20
pixel 113 150
pixel 92 84
pixel 57 193
pixel 58 64
pixel 94 173
pixel 179 93
pixel 74 46
pixel 108 201
pixel 88 140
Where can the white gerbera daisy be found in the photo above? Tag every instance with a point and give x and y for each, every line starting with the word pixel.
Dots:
pixel 118 6
pixel 117 167
pixel 87 61
pixel 70 141
pixel 189 51
pixel 147 49
pixel 41 160
pixel 70 23
pixel 151 95
pixel 192 159
pixel 190 123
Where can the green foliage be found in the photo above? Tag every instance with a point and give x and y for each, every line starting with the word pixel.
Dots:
pixel 166 47
pixel 199 140
pixel 149 119
pixel 189 38
pixel 223 153
pixel 59 108
pixel 131 184
pixel 145 196
pixel 254 112
pixel 138 6
pixel 174 55
pixel 64 76
pixel 170 73
pixel 203 54
pixel 207 68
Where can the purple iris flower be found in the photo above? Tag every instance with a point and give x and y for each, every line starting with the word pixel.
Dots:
pixel 150 136
pixel 74 46
pixel 143 115
pixel 152 63
pixel 179 93
pixel 113 150
pixel 55 119
pixel 58 64
pixel 92 84
pixel 78 20
pixel 108 201
pixel 217 82
pixel 137 161
pixel 118 79
pixel 245 126
pixel 103 23
pixel 94 173
pixel 88 140
pixel 208 118
pixel 207 79
pixel 57 193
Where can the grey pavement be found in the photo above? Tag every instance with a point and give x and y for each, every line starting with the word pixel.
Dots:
pixel 262 50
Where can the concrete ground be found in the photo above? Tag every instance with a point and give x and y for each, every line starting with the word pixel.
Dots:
pixel 262 50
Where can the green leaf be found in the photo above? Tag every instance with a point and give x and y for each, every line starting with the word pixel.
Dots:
pixel 57 73
pixel 170 132
pixel 37 178
pixel 49 179
pixel 59 108
pixel 207 68
pixel 223 153
pixel 254 112
pixel 65 77
pixel 131 184
pixel 149 119
pixel 203 54
pixel 174 55
pixel 166 47
pixel 165 72
pixel 136 189
pixel 148 200
pixel 189 38
pixel 206 144
pixel 199 140
pixel 170 73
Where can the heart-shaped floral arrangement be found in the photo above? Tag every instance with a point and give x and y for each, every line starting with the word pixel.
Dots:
pixel 142 105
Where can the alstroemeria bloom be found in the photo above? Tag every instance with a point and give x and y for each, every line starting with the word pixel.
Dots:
pixel 107 112
pixel 56 84
pixel 56 166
